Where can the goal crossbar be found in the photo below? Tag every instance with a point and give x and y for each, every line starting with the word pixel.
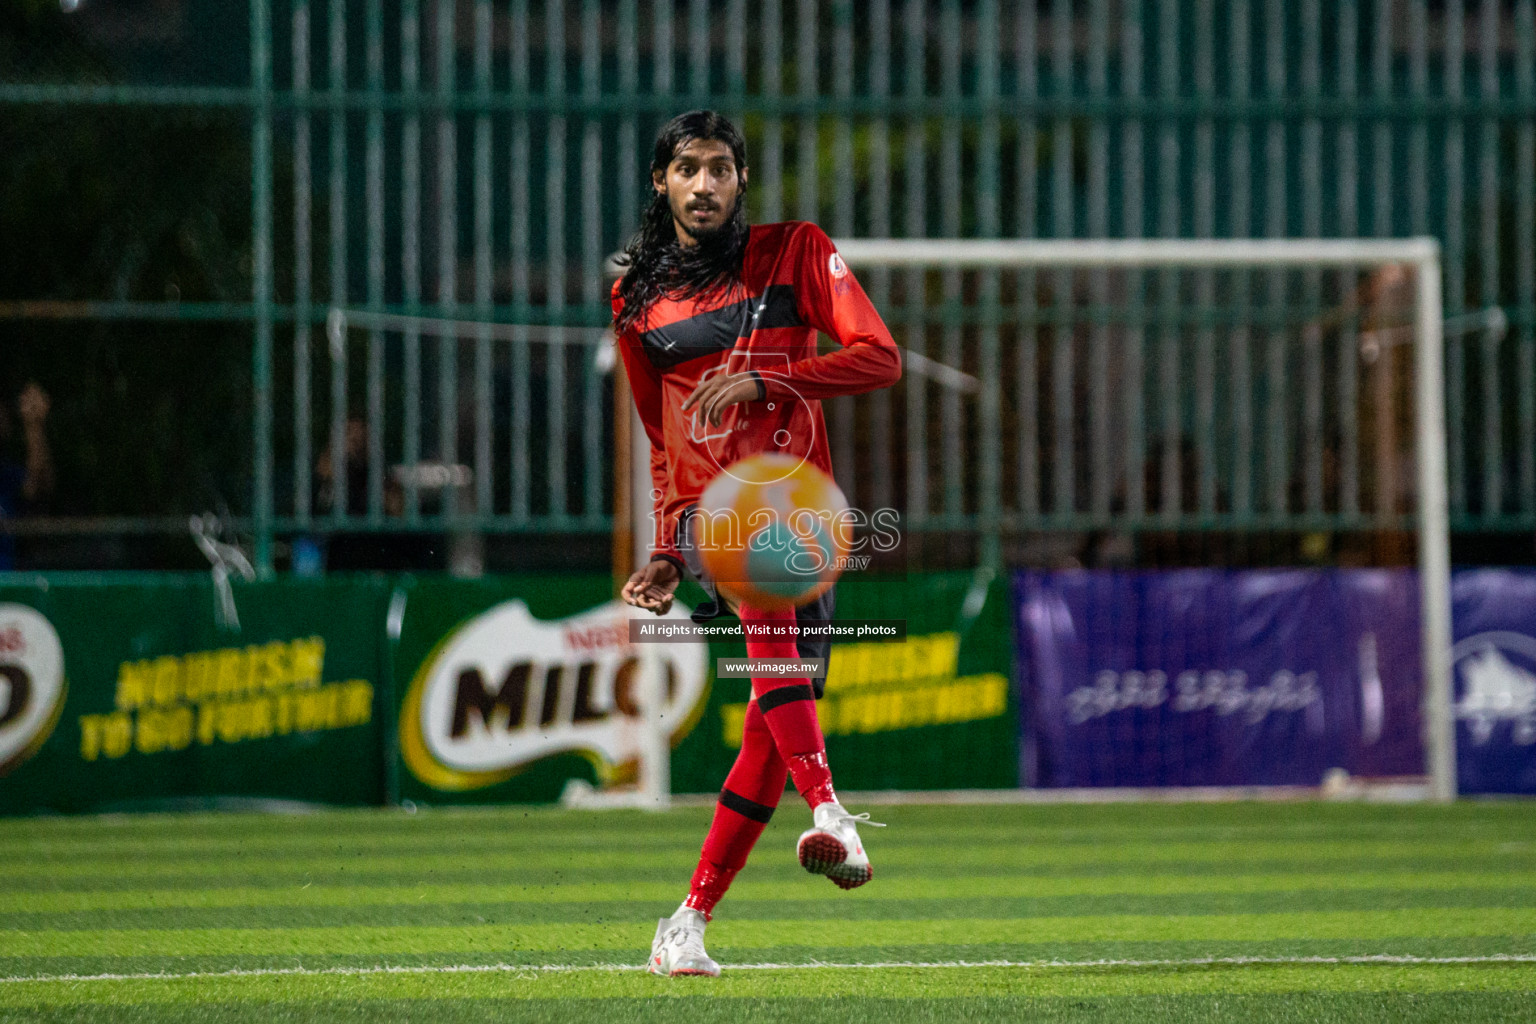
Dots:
pixel 1137 252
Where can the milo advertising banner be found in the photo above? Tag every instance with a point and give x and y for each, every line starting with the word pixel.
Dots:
pixel 511 687
pixel 129 694
pixel 32 684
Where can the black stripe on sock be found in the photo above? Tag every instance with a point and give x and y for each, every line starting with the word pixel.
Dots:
pixel 766 702
pixel 757 812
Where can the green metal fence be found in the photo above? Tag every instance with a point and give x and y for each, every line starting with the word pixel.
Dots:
pixel 471 160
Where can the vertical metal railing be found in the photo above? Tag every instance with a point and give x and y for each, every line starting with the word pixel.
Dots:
pixel 303 265
pixel 1133 225
pixel 484 261
pixel 337 254
pixel 1491 404
pixel 882 435
pixel 989 362
pixel 1101 484
pixel 1063 209
pixel 447 212
pixel 1204 181
pixel 554 240
pixel 1026 202
pixel 841 412
pixel 520 203
pixel 377 255
pixel 1240 225
pixel 769 195
pixel 1170 371
pixel 951 430
pixel 807 90
pixel 596 440
pixel 1276 208
pixel 1311 177
pixel 410 248
pixel 1455 263
pixel 1347 193
pixel 262 467
pixel 915 225
pixel 1525 255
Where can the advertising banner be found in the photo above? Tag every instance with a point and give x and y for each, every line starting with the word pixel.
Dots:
pixel 1494 658
pixel 934 711
pixel 1207 677
pixel 129 695
pixel 511 687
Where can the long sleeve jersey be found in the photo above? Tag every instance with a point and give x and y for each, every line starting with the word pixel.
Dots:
pixel 793 285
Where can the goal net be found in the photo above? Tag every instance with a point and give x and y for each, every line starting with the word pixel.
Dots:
pixel 1142 405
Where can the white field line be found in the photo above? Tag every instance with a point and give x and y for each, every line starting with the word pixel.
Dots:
pixel 1391 791
pixel 535 969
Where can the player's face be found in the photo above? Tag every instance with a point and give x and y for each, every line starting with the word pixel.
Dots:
pixel 702 185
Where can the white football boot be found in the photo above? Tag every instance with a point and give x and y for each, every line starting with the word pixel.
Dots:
pixel 678 948
pixel 831 846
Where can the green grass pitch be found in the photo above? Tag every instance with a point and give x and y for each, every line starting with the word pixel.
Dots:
pixel 1192 912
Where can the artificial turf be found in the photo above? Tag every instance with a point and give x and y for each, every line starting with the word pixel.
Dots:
pixel 1194 912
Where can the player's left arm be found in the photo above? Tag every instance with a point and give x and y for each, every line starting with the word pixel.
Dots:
pixel 829 298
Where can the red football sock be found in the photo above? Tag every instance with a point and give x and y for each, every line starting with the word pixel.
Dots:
pixel 789 708
pixel 813 778
pixel 752 791
pixel 709 884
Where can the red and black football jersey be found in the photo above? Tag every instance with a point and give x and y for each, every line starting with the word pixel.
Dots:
pixel 793 285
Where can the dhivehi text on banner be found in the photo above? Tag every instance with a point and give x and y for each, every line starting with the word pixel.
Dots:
pixel 1215 678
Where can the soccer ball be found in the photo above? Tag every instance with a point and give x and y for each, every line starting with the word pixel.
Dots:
pixel 773 531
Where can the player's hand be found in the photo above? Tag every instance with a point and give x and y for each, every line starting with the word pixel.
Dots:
pixel 717 393
pixel 651 586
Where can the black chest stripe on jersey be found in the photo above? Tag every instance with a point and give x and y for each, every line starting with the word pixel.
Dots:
pixel 716 330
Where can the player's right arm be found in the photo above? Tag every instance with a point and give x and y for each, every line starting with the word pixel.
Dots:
pixel 652 585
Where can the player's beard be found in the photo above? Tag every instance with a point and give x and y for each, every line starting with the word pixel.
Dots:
pixel 715 257
pixel 707 236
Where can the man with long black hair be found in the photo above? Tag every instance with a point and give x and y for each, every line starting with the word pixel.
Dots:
pixel 717 325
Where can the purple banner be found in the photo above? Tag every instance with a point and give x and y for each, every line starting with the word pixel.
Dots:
pixel 1494 616
pixel 1209 677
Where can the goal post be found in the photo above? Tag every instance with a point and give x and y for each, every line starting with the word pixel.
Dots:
pixel 1421 255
